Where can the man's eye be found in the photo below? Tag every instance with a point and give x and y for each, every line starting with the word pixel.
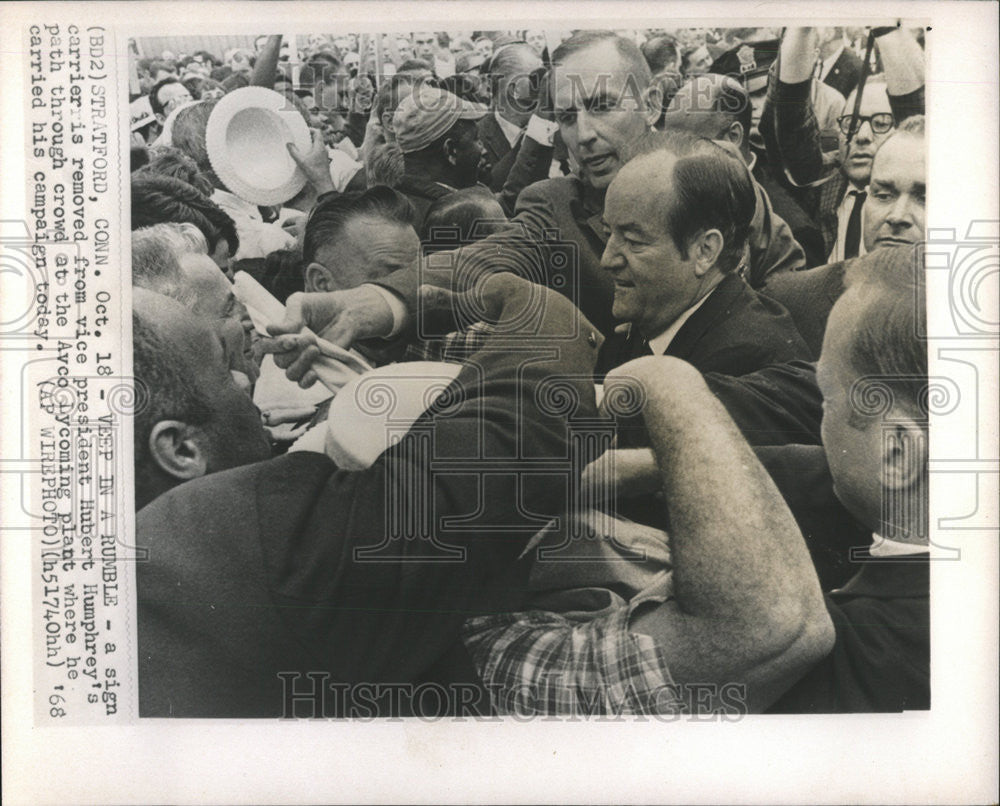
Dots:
pixel 566 118
pixel 881 196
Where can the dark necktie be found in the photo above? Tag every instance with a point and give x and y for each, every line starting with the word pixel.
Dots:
pixel 852 240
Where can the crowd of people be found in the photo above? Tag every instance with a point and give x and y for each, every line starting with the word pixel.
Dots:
pixel 575 373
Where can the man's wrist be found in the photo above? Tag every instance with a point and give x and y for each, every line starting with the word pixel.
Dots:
pixel 396 316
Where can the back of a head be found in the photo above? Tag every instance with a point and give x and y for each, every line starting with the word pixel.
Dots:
pixel 160 372
pixel 710 189
pixel 170 161
pixel 158 199
pixel 886 343
pixel 461 217
pixel 189 131
pixel 327 220
pixel 661 53
pixel 717 99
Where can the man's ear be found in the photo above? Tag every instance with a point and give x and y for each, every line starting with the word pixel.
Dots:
pixel 176 450
pixel 904 455
pixel 449 147
pixel 705 250
pixel 735 134
pixel 652 97
pixel 318 278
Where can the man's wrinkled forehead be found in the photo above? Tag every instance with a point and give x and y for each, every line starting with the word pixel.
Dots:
pixel 598 70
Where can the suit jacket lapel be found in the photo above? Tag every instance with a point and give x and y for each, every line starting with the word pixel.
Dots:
pixel 720 301
pixel 493 138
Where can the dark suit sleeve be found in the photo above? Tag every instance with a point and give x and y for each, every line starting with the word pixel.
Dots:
pixel 530 165
pixel 517 251
pixel 361 581
pixel 791 131
pixel 776 405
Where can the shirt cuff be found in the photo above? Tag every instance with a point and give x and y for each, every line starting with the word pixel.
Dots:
pixel 541 130
pixel 396 305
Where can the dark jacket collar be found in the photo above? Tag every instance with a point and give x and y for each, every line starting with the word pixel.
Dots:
pixel 720 302
pixel 417 185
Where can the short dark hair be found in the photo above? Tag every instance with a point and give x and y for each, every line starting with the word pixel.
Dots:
pixel 415 65
pixel 328 218
pixel 626 48
pixel 154 100
pixel 711 189
pixel 159 199
pixel 157 65
pixel 235 81
pixel 887 343
pixel 164 388
pixel 660 52
pixel 170 161
pixel 724 95
pixel 459 218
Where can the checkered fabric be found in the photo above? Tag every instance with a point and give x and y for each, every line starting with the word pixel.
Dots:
pixel 453 347
pixel 541 663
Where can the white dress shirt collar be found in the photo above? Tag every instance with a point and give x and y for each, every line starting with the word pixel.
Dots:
pixel 510 130
pixel 660 343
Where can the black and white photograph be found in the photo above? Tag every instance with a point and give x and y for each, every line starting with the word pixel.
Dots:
pixel 519 375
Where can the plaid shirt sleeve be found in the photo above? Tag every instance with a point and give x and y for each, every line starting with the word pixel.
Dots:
pixel 453 347
pixel 539 662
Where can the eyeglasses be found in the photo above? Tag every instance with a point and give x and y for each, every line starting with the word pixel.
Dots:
pixel 880 122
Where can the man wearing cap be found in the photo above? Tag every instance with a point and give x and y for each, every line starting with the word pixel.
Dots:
pixel 749 62
pixel 437 134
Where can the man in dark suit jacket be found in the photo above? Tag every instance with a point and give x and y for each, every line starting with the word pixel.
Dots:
pixel 501 131
pixel 561 218
pixel 678 215
pixel 266 573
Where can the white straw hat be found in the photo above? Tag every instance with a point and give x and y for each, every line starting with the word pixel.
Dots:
pixel 246 139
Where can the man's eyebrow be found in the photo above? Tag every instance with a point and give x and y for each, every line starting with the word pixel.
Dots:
pixel 920 187
pixel 886 184
pixel 601 96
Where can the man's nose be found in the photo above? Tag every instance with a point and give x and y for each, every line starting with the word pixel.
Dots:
pixel 864 133
pixel 585 131
pixel 901 214
pixel 612 259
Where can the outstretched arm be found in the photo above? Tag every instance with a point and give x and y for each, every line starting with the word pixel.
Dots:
pixel 748 607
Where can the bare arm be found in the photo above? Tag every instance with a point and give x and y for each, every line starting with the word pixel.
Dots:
pixel 748 606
